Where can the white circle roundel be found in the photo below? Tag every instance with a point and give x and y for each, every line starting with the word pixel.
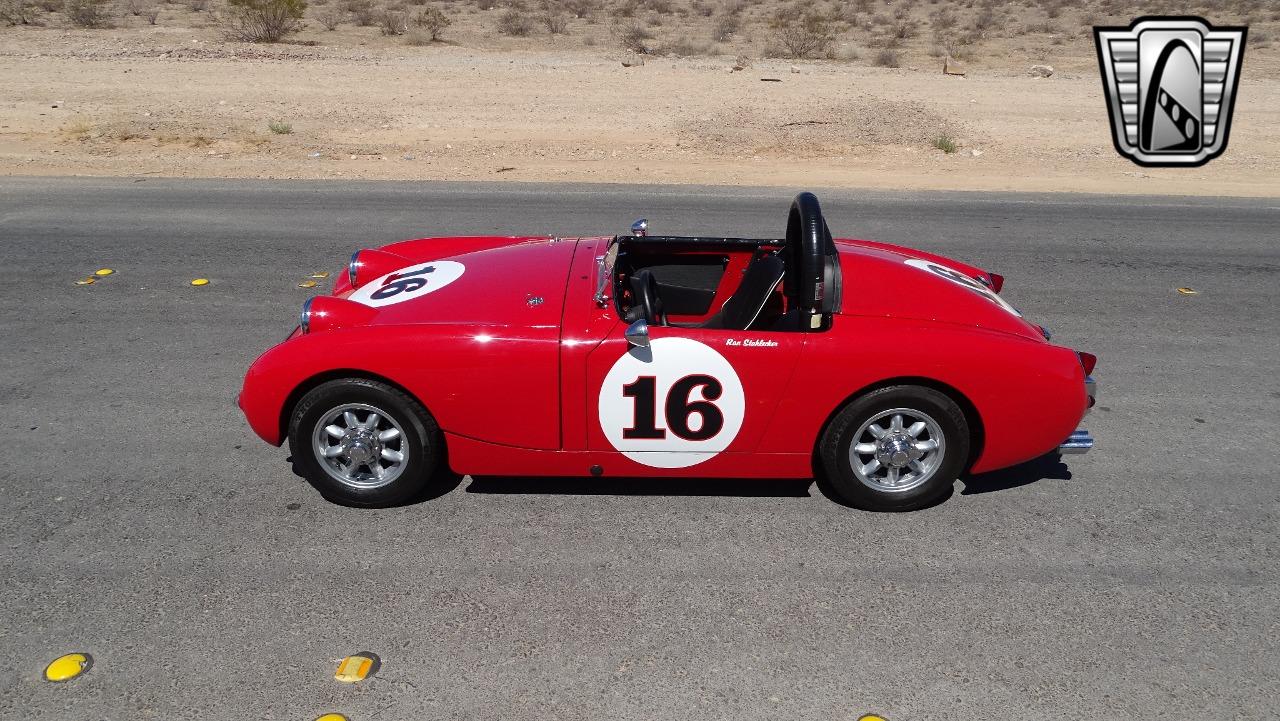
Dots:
pixel 408 283
pixel 674 404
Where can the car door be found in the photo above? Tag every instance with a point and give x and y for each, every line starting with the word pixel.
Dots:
pixel 690 397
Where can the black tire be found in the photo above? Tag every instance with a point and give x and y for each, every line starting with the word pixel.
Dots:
pixel 834 448
pixel 422 444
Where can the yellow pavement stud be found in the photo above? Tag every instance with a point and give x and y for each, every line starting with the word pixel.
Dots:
pixel 332 717
pixel 103 272
pixel 67 667
pixel 1188 291
pixel 307 284
pixel 358 667
pixel 86 281
pixel 872 717
pixel 200 281
pixel 320 274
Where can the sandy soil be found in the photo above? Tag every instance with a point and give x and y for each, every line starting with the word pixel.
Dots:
pixel 181 102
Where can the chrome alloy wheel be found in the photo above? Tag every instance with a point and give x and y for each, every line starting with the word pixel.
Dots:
pixel 897 450
pixel 359 445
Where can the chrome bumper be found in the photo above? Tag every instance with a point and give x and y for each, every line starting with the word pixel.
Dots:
pixel 1081 441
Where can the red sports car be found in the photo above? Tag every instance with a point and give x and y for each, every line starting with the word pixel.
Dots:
pixel 887 370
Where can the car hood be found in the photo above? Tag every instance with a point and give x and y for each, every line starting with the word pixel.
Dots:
pixel 477 281
pixel 881 280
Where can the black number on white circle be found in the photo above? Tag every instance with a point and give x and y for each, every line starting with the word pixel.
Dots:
pixel 679 409
pixel 403 283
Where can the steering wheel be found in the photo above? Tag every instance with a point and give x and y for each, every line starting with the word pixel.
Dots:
pixel 813 264
pixel 644 288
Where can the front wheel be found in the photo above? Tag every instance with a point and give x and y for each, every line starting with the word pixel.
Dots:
pixel 364 443
pixel 895 449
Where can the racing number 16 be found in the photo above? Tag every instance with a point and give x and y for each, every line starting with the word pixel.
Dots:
pixel 679 408
pixel 403 283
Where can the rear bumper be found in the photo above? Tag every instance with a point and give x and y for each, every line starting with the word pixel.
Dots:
pixel 1080 441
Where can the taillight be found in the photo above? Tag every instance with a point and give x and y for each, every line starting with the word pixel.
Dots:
pixel 997 281
pixel 325 312
pixel 368 264
pixel 1088 360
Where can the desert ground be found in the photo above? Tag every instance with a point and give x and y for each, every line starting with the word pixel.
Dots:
pixel 655 91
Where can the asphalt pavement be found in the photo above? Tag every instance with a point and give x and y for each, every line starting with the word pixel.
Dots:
pixel 142 521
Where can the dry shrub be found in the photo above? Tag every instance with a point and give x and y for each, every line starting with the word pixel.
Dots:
pixel 887 59
pixel 151 14
pixel 86 13
pixel 363 11
pixel 514 23
pixel 331 17
pixel 725 27
pixel 417 39
pixel 685 48
pixel 634 37
pixel 133 7
pixel 393 22
pixel 554 18
pixel 809 37
pixel 262 21
pixel 431 21
pixel 197 6
pixel 17 12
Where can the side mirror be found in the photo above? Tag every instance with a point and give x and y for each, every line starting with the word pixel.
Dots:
pixel 638 334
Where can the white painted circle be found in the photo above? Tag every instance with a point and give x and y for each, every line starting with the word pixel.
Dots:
pixel 407 283
pixel 668 361
pixel 961 279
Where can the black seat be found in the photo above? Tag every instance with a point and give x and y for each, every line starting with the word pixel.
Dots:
pixel 743 308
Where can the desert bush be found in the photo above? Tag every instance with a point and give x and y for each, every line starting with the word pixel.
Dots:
pixel 944 19
pixel 49 6
pixel 133 7
pixel 554 18
pixel 514 23
pixel 151 14
pixel 363 12
pixel 393 22
pixel 86 13
pixel 582 8
pixel 685 48
pixel 415 38
pixel 262 21
pixel 17 12
pixel 662 7
pixel 810 36
pixel 279 127
pixel 197 6
pixel 945 143
pixel 431 21
pixel 331 18
pixel 725 26
pixel 887 59
pixel 626 9
pixel 634 37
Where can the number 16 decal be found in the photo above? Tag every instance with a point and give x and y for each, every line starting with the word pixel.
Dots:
pixel 675 407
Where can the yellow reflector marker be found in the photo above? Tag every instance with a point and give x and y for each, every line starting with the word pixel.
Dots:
pixel 358 667
pixel 307 284
pixel 1188 291
pixel 103 272
pixel 86 281
pixel 321 274
pixel 200 281
pixel 65 668
pixel 332 717
pixel 872 717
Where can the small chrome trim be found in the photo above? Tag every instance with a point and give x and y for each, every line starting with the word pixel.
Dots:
pixel 304 321
pixel 1079 442
pixel 983 280
pixel 1091 389
pixel 640 228
pixel 352 266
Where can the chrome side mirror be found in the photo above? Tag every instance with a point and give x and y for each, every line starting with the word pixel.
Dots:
pixel 640 228
pixel 638 334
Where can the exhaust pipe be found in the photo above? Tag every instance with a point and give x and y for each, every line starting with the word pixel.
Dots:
pixel 1078 442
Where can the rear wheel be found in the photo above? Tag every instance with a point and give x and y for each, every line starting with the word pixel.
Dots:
pixel 364 443
pixel 895 449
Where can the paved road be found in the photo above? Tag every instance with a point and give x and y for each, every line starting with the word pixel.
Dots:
pixel 142 521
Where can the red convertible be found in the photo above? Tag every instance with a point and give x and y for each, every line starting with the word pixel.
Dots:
pixel 887 370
